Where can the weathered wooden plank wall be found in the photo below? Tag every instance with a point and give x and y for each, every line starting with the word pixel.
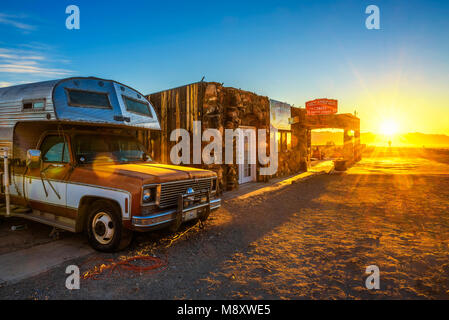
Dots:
pixel 176 108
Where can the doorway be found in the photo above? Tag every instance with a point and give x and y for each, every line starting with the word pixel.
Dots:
pixel 247 170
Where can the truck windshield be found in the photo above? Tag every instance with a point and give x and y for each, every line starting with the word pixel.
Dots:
pixel 108 148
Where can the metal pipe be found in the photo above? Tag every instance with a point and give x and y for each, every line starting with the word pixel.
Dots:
pixel 6 182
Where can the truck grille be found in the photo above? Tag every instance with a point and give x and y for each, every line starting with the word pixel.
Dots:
pixel 171 190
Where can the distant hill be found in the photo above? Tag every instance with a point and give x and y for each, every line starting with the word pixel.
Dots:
pixel 414 139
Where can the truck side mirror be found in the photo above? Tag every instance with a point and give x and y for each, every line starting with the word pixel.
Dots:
pixel 34 158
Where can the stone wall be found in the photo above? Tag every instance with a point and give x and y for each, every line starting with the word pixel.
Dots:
pixel 300 139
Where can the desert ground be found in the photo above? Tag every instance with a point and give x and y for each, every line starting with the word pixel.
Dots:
pixel 312 239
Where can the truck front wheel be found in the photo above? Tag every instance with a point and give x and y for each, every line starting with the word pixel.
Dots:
pixel 105 231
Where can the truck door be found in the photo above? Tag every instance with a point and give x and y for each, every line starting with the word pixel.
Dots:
pixel 46 187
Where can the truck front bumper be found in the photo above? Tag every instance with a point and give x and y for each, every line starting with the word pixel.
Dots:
pixel 169 216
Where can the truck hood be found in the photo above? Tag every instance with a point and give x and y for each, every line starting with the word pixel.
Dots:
pixel 151 172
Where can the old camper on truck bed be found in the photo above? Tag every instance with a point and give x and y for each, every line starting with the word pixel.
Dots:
pixel 72 160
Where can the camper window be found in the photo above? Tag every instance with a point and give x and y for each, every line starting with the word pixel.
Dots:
pixel 137 106
pixel 55 149
pixel 38 105
pixel 89 99
pixel 33 105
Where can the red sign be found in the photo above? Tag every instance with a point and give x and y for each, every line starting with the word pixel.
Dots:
pixel 321 106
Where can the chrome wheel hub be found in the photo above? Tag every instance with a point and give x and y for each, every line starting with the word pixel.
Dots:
pixel 103 228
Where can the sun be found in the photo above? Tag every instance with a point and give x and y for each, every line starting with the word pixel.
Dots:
pixel 389 127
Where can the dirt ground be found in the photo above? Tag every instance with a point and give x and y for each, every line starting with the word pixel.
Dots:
pixel 30 234
pixel 308 240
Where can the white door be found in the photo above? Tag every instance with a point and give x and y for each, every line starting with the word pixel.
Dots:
pixel 247 171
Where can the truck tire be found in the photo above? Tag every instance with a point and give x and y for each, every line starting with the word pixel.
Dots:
pixel 105 231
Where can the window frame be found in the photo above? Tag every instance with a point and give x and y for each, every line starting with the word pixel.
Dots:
pixel 33 101
pixel 124 97
pixel 78 134
pixel 78 105
pixel 282 141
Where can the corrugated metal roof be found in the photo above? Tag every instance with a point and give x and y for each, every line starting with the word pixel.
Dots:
pixel 57 106
pixel 27 91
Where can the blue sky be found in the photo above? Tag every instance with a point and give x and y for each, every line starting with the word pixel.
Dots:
pixel 292 51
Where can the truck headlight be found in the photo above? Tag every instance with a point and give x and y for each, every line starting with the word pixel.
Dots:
pixel 149 195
